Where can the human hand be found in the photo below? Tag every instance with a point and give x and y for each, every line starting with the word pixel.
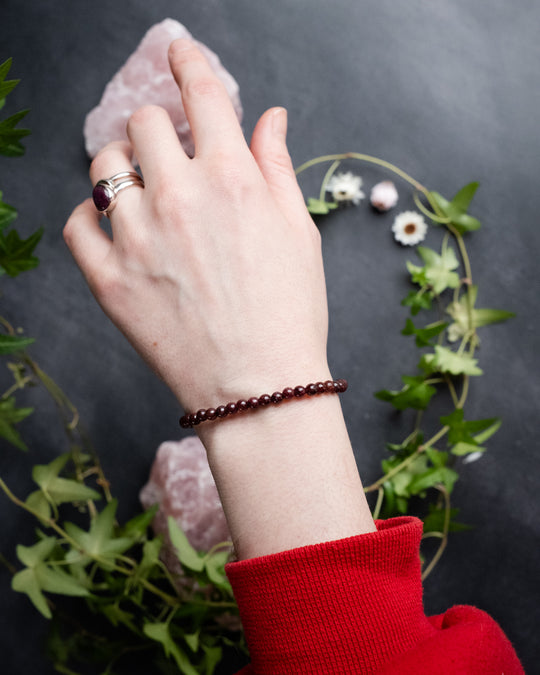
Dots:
pixel 214 271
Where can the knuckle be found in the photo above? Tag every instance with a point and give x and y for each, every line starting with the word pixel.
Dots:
pixel 146 114
pixel 206 86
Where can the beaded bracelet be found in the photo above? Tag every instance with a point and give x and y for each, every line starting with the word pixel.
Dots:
pixel 209 414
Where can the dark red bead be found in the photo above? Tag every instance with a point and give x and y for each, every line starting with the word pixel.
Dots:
pixel 336 386
pixel 311 389
pixel 329 385
pixel 193 419
pixel 184 422
pixel 211 414
pixel 288 392
pixel 299 391
pixel 343 384
pixel 221 411
pixel 202 415
pixel 320 388
pixel 253 402
pixel 242 405
pixel 231 408
pixel 264 399
pixel 277 397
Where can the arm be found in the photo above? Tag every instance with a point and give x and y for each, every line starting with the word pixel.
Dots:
pixel 214 273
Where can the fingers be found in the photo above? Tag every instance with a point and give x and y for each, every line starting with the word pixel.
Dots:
pixel 269 147
pixel 87 242
pixel 208 108
pixel 156 144
pixel 115 158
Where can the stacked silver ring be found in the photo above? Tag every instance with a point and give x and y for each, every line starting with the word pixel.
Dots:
pixel 105 192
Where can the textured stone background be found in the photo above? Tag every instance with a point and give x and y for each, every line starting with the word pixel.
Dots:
pixel 448 91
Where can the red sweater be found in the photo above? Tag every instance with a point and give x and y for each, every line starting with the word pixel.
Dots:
pixel 355 606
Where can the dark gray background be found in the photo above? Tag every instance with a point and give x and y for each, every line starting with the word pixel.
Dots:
pixel 449 91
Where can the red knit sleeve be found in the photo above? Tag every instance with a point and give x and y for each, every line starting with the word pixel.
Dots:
pixel 355 606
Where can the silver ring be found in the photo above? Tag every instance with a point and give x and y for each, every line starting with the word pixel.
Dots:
pixel 105 192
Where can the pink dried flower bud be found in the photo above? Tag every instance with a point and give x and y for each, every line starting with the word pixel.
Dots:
pixel 384 195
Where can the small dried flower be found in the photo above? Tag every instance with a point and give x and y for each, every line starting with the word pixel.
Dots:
pixel 345 187
pixel 409 228
pixel 384 195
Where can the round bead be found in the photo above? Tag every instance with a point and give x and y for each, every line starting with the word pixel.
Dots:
pixel 242 405
pixel 211 414
pixel 299 391
pixel 343 384
pixel 221 411
pixel 277 397
pixel 329 385
pixel 253 402
pixel 264 399
pixel 320 388
pixel 311 389
pixel 193 420
pixel 184 422
pixel 288 392
pixel 231 408
pixel 202 415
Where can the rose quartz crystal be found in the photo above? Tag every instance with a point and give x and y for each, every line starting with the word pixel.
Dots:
pixel 145 78
pixel 181 483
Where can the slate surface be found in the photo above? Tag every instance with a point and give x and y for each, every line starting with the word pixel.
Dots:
pixel 448 91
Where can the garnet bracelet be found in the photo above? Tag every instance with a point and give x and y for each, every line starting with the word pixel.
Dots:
pixel 208 414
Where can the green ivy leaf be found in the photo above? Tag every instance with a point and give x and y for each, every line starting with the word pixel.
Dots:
pixel 10 135
pixel 60 490
pixel 424 336
pixel 139 524
pixel 13 343
pixel 100 541
pixel 437 272
pixel 26 582
pixel 187 555
pixel 456 210
pixel 417 300
pixel 16 253
pixel 444 360
pixel 462 430
pixel 10 415
pixel 160 633
pixel 415 394
pixel 462 448
pixel 433 477
pixel 434 521
pixel 467 318
pixel 38 502
pixel 215 568
pixel 7 214
pixel 320 206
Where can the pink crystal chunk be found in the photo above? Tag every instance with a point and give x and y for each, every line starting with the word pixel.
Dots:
pixel 182 484
pixel 144 79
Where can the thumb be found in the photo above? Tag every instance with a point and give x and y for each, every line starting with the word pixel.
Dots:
pixel 269 148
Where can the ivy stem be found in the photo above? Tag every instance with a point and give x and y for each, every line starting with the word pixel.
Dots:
pixel 378 505
pixel 364 158
pixel 444 540
pixel 382 480
pixel 326 178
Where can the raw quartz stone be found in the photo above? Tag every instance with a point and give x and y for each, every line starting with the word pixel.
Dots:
pixel 145 79
pixel 182 484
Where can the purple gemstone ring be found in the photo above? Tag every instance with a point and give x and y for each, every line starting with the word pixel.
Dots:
pixel 106 191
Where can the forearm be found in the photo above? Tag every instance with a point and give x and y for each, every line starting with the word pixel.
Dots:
pixel 287 476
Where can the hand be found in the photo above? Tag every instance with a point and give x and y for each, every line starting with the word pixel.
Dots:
pixel 214 270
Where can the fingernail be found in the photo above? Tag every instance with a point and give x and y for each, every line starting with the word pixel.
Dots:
pixel 279 122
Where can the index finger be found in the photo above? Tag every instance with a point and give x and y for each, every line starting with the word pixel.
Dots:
pixel 209 109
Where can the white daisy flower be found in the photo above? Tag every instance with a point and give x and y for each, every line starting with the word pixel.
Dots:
pixel 345 187
pixel 409 228
pixel 384 195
